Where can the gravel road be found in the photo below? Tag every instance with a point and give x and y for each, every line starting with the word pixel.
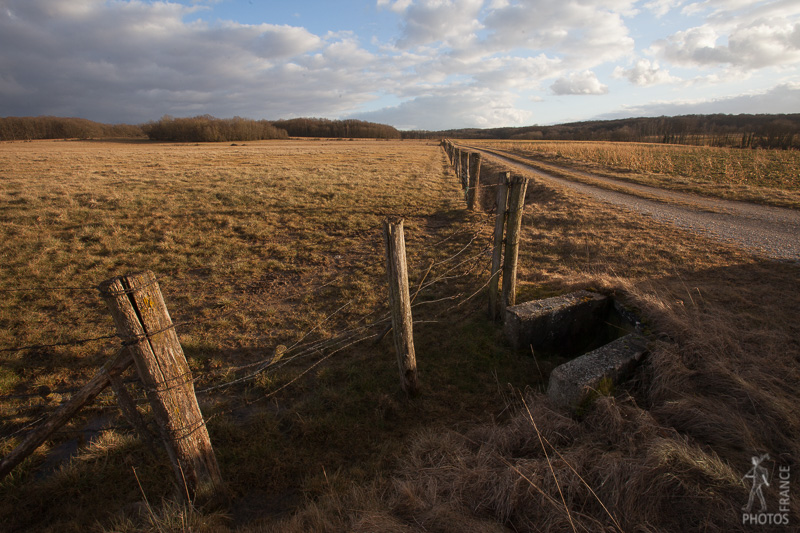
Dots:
pixel 772 232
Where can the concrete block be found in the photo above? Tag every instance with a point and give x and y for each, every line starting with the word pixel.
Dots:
pixel 562 324
pixel 571 382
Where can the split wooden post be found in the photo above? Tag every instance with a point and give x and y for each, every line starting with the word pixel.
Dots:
pixel 457 163
pixel 400 303
pixel 473 188
pixel 516 202
pixel 144 324
pixel 497 251
pixel 65 411
pixel 464 169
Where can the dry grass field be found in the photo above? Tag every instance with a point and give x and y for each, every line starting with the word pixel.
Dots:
pixel 764 176
pixel 279 243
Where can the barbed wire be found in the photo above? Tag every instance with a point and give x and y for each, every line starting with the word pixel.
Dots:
pixel 299 350
pixel 76 342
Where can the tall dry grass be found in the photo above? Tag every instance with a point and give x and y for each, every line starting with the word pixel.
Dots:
pixel 665 451
pixel 254 246
pixel 337 452
pixel 778 169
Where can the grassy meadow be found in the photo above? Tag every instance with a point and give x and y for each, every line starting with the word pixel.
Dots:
pixel 769 177
pixel 279 243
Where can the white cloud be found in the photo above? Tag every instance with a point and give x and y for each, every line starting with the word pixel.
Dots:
pixel 780 99
pixel 516 72
pixel 586 33
pixel 272 42
pixel 452 22
pixel 584 83
pixel 737 34
pixel 134 61
pixel 468 108
pixel 452 63
pixel 662 7
pixel 644 74
pixel 398 6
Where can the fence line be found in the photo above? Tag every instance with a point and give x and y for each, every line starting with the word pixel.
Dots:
pixel 322 349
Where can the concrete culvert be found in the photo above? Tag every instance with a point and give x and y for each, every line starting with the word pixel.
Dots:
pixel 601 337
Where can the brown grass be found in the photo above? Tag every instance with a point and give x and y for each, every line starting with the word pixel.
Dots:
pixel 665 452
pixel 769 177
pixel 255 246
pixel 338 450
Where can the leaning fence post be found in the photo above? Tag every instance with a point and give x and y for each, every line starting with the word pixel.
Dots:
pixel 497 251
pixel 144 324
pixel 516 202
pixel 473 189
pixel 65 411
pixel 400 303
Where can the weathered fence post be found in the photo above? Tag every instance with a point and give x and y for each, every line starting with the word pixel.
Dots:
pixel 144 324
pixel 497 251
pixel 473 188
pixel 516 202
pixel 457 164
pixel 464 169
pixel 400 303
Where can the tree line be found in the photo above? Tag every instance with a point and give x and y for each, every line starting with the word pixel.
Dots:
pixel 321 127
pixel 47 127
pixel 743 131
pixel 204 128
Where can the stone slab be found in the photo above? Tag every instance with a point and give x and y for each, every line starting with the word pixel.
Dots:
pixel 573 381
pixel 559 324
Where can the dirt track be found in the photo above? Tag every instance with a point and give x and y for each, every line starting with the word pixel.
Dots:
pixel 772 232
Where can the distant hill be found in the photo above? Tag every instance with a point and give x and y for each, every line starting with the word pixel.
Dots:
pixel 746 131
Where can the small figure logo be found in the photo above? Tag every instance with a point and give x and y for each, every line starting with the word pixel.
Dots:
pixel 760 477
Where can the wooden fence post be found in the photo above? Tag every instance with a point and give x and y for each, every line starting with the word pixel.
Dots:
pixel 473 189
pixel 144 324
pixel 400 303
pixel 516 202
pixel 497 251
pixel 464 169
pixel 457 164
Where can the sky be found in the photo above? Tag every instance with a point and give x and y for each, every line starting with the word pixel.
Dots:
pixel 414 64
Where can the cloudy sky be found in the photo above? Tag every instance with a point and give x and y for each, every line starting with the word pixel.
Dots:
pixel 415 64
